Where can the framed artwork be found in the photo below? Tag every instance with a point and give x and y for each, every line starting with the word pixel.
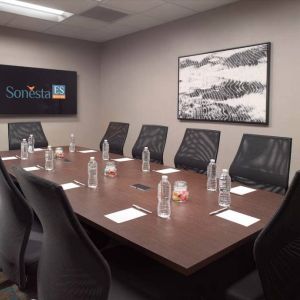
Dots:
pixel 229 85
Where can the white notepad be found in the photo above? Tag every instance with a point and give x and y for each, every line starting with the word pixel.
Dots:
pixel 125 215
pixel 167 171
pixel 69 185
pixel 9 158
pixel 123 159
pixel 87 151
pixel 237 217
pixel 241 190
pixel 31 169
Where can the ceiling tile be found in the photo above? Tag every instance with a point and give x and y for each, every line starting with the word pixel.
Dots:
pixel 33 24
pixel 88 23
pixel 200 5
pixel 75 32
pixel 139 21
pixel 169 12
pixel 131 6
pixel 6 17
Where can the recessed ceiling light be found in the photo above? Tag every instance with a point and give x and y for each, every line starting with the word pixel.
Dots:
pixel 33 10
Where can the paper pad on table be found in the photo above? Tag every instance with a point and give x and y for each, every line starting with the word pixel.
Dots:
pixel 241 190
pixel 87 151
pixel 123 159
pixel 237 217
pixel 31 169
pixel 69 185
pixel 167 171
pixel 125 215
pixel 9 157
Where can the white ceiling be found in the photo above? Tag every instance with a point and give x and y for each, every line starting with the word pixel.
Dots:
pixel 142 14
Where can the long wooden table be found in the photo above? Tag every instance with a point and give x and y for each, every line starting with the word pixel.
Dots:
pixel 188 241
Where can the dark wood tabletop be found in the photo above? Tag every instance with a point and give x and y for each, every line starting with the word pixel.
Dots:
pixel 188 241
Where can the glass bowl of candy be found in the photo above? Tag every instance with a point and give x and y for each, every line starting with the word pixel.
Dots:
pixel 110 169
pixel 59 153
pixel 180 191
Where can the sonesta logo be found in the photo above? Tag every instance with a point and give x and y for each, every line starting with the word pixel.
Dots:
pixel 31 92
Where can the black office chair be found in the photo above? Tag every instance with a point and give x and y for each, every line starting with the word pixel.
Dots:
pixel 277 255
pixel 20 241
pixel 115 134
pixel 19 131
pixel 263 162
pixel 71 267
pixel 197 148
pixel 154 137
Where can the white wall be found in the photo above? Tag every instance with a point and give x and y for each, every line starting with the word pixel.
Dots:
pixel 139 72
pixel 23 48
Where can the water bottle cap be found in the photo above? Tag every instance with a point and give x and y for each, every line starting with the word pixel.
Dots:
pixel 212 160
pixel 224 171
pixel 105 140
pixel 146 148
pixel 92 158
pixel 31 135
pixel 24 140
pixel 72 134
pixel 49 147
pixel 164 177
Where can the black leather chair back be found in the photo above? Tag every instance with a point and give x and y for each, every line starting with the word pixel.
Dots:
pixel 19 131
pixel 70 266
pixel 277 249
pixel 16 219
pixel 263 162
pixel 197 148
pixel 154 137
pixel 115 134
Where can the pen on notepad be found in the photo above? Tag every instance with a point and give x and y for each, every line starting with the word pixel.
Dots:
pixel 218 211
pixel 141 208
pixel 17 156
pixel 79 182
pixel 40 167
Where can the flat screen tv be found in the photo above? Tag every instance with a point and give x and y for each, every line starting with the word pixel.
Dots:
pixel 33 91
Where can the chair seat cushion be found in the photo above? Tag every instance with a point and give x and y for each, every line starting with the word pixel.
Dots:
pixel 248 288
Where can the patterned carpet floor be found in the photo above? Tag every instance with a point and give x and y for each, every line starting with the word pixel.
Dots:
pixel 12 292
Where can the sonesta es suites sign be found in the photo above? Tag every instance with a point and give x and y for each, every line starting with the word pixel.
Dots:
pixel 37 91
pixel 58 92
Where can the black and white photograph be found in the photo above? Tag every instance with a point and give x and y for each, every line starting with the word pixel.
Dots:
pixel 226 86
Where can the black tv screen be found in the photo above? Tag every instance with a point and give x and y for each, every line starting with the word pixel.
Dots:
pixel 25 90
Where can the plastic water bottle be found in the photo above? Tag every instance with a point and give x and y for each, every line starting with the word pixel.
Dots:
pixel 212 176
pixel 224 189
pixel 146 160
pixel 164 198
pixel 92 173
pixel 49 159
pixel 105 150
pixel 24 149
pixel 31 143
pixel 72 143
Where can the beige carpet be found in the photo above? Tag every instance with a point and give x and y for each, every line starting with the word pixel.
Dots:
pixel 12 292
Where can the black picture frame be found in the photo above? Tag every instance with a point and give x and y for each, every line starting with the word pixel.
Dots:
pixel 230 85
